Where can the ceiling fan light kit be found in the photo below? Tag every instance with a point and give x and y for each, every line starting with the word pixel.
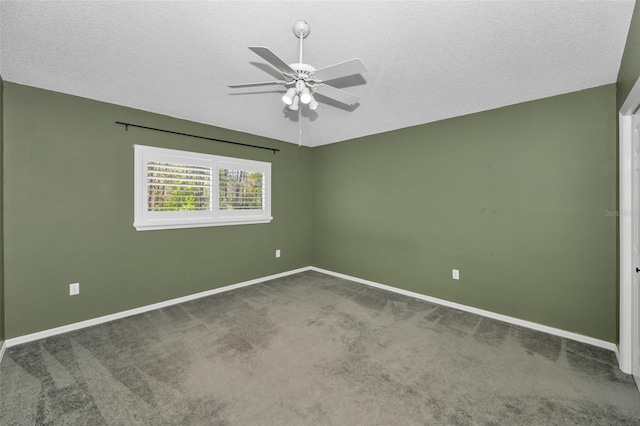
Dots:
pixel 302 80
pixel 290 96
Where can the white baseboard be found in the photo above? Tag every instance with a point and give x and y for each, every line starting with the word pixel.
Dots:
pixel 527 324
pixel 106 318
pixel 100 320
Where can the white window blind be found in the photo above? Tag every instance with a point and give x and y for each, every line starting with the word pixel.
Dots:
pixel 179 189
pixel 240 190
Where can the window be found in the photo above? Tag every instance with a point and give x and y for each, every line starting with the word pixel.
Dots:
pixel 179 189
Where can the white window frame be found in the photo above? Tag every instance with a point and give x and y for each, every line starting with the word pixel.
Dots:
pixel 145 220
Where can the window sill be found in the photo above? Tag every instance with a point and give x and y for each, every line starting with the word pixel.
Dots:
pixel 157 225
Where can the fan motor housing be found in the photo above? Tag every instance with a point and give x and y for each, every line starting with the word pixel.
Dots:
pixel 303 68
pixel 304 71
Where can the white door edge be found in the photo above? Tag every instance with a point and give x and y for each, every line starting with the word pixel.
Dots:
pixel 625 347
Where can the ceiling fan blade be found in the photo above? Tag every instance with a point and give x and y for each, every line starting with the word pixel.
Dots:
pixel 271 57
pixel 262 83
pixel 337 94
pixel 342 69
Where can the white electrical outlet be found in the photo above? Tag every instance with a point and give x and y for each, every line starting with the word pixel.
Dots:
pixel 456 274
pixel 278 253
pixel 74 289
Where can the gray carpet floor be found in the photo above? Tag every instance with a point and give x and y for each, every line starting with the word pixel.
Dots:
pixel 311 349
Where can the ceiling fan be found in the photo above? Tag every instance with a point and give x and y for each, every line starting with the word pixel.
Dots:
pixel 303 81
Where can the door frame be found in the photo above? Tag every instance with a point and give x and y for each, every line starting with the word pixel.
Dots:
pixel 625 145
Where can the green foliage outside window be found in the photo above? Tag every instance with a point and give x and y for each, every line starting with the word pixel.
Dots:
pixel 178 187
pixel 240 190
pixel 181 187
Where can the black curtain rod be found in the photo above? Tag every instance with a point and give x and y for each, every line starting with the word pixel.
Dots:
pixel 127 125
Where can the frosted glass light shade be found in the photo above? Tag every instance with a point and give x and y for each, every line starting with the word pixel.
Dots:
pixel 313 104
pixel 288 97
pixel 305 95
pixel 295 105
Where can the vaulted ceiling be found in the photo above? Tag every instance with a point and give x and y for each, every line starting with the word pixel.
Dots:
pixel 426 60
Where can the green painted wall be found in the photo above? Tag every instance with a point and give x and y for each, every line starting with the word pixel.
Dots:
pixel 69 213
pixel 630 66
pixel 514 197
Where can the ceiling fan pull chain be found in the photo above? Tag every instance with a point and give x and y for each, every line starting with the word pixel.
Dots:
pixel 300 127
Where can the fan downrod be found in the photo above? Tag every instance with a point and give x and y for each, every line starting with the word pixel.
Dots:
pixel 301 29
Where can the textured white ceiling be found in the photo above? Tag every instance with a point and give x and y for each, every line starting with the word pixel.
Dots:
pixel 427 60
